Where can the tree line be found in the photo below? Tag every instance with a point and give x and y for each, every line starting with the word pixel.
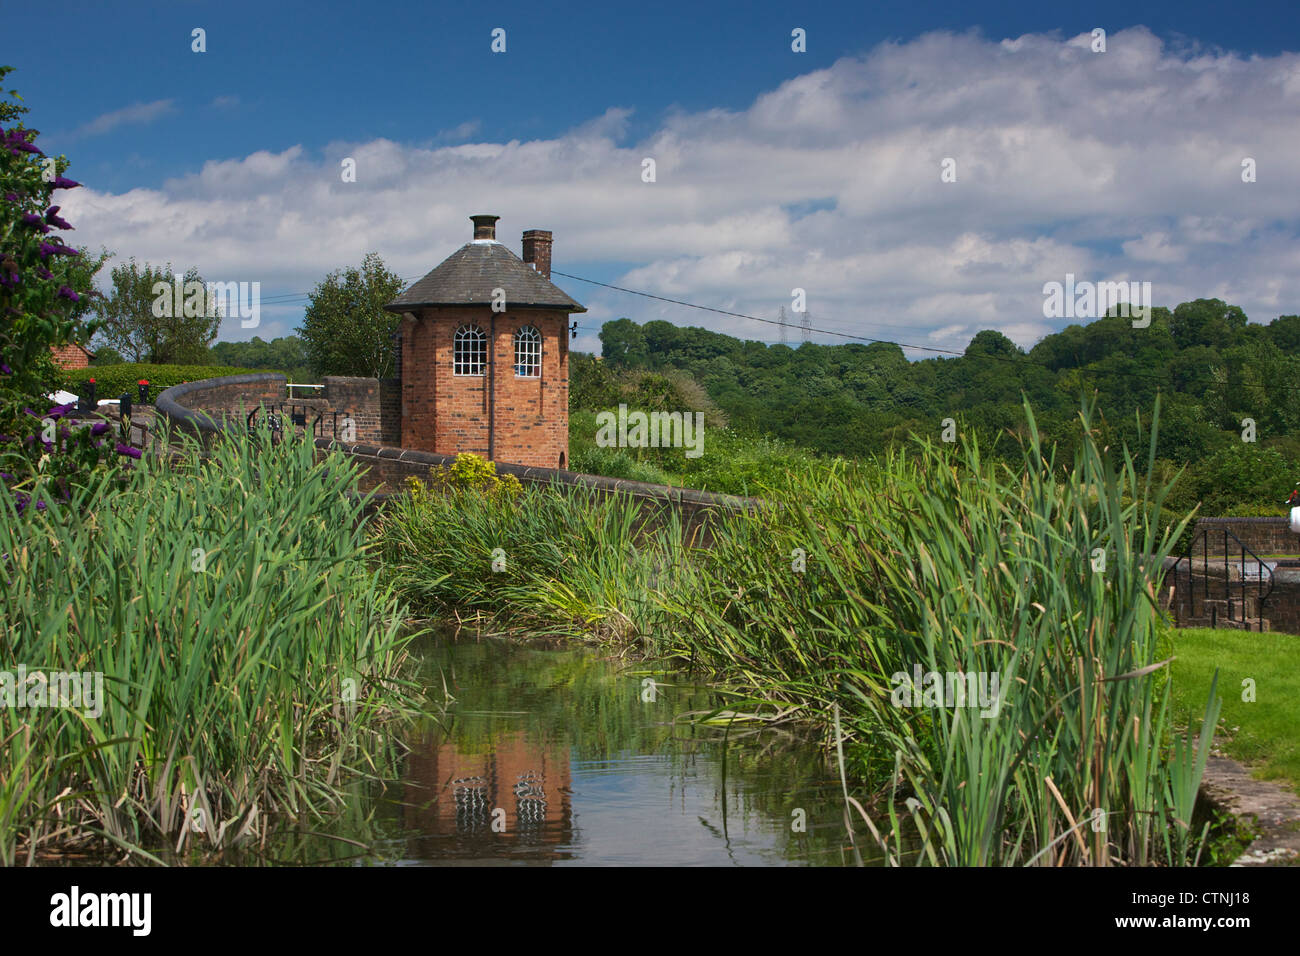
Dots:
pixel 1229 391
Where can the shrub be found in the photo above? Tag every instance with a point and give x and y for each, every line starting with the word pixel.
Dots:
pixel 471 473
pixel 112 380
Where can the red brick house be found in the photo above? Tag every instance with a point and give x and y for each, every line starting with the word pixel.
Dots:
pixel 72 356
pixel 484 353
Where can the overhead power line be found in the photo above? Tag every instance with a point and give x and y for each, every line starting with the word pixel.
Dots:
pixel 863 338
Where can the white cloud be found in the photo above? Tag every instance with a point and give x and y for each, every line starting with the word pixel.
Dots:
pixel 137 113
pixel 1067 162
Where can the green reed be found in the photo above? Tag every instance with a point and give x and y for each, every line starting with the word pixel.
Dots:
pixel 249 653
pixel 813 604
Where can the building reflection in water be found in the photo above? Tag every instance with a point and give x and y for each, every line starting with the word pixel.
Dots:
pixel 450 798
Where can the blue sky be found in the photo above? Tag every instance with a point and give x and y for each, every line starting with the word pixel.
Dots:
pixel 776 169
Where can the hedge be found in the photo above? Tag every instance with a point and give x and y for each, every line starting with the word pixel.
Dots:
pixel 112 380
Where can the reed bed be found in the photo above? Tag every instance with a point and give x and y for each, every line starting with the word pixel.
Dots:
pixel 812 606
pixel 250 656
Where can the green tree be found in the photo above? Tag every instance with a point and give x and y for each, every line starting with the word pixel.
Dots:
pixel 622 343
pixel 345 330
pixel 107 355
pixel 145 320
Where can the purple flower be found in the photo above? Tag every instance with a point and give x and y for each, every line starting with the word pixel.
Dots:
pixel 58 411
pixel 67 293
pixel 6 369
pixel 99 428
pixel 44 273
pixel 12 197
pixel 128 450
pixel 53 218
pixel 47 249
pixel 16 140
pixel 35 221
pixel 61 183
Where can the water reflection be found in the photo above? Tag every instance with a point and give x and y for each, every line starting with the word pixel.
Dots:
pixel 555 755
pixel 503 798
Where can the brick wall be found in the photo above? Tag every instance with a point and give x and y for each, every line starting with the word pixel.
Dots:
pixel 357 398
pixel 221 397
pixel 386 470
pixel 207 406
pixel 390 411
pixel 1264 536
pixel 71 356
pixel 524 420
pixel 1281 607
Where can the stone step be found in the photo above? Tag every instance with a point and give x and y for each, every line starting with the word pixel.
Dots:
pixel 1248 624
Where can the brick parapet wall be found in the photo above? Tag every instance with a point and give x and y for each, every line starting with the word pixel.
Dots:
pixel 1264 536
pixel 210 405
pixel 1281 608
pixel 387 468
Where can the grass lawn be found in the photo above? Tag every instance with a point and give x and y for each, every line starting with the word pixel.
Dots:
pixel 1264 733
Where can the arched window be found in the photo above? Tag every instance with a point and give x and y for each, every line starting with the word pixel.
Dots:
pixel 469 352
pixel 528 352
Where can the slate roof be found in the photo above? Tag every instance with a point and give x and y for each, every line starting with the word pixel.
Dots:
pixel 468 276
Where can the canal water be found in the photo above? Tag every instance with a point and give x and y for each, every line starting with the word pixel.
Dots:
pixel 557 755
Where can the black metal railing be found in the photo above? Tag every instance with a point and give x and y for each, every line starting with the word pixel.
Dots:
pixel 1240 600
pixel 280 416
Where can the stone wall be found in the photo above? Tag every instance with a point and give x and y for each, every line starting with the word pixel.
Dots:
pixel 1264 536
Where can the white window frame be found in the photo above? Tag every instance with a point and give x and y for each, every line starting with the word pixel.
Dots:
pixel 528 352
pixel 469 352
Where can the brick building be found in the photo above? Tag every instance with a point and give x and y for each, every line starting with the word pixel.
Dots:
pixel 484 353
pixel 72 355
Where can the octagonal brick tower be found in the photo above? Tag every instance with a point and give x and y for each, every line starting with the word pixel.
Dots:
pixel 492 381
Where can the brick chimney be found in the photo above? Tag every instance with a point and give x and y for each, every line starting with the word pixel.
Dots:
pixel 537 251
pixel 485 227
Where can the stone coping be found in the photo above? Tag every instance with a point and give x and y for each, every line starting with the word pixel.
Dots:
pixel 169 404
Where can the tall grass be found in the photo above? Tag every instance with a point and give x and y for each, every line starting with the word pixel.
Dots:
pixel 814 604
pixel 966 568
pixel 575 562
pixel 249 653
